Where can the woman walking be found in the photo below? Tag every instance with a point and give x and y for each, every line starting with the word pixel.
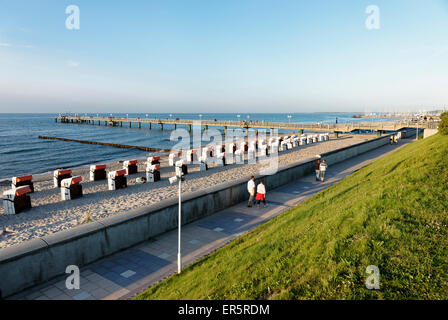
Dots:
pixel 317 168
pixel 261 194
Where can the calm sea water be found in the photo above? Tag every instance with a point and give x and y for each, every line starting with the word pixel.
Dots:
pixel 21 152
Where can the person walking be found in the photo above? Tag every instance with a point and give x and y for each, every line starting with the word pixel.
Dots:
pixel 317 169
pixel 323 168
pixel 251 190
pixel 261 194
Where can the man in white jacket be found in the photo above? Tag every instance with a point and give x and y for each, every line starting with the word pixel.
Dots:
pixel 251 190
pixel 323 168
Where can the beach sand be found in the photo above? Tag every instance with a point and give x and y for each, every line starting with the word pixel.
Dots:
pixel 50 214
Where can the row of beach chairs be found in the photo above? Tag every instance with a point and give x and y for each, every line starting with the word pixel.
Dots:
pixel 234 152
pixel 17 198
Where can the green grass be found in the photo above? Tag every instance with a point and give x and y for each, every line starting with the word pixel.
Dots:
pixel 392 213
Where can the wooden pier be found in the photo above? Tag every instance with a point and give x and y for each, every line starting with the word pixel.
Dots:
pixel 378 127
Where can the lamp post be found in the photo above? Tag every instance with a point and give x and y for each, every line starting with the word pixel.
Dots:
pixel 179 177
pixel 416 138
pixel 179 233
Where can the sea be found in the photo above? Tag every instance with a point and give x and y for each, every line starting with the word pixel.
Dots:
pixel 23 153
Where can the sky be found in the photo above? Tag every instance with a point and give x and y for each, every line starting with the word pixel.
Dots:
pixel 223 56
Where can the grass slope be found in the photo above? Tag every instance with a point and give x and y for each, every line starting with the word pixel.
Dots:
pixel 393 213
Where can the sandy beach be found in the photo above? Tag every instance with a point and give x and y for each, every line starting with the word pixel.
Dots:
pixel 50 214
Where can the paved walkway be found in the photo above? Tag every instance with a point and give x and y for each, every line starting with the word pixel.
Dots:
pixel 127 273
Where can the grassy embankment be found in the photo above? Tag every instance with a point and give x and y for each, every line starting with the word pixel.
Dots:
pixel 392 213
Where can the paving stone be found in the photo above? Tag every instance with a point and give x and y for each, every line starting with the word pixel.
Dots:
pixel 100 293
pixel 128 273
pixel 63 297
pixel 81 296
pixel 164 256
pixel 117 294
pixel 52 292
pixel 33 295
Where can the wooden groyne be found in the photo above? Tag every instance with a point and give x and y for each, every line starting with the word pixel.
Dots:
pixel 115 145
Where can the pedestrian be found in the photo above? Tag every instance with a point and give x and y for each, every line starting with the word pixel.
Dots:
pixel 140 180
pixel 323 168
pixel 317 169
pixel 261 194
pixel 251 190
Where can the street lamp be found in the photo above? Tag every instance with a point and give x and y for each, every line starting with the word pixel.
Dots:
pixel 179 177
pixel 416 138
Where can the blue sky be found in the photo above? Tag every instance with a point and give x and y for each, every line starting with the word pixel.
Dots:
pixel 223 56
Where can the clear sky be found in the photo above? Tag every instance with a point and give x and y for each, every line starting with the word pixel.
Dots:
pixel 223 56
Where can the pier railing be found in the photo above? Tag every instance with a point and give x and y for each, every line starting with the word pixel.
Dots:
pixel 335 127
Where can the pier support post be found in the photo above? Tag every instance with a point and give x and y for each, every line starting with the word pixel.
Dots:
pixel 189 128
pixel 130 124
pixel 139 125
pixel 150 126
pixel 121 123
pixel 206 127
pixel 175 126
pixel 161 126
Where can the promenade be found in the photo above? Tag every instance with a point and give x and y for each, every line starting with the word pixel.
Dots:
pixel 127 273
